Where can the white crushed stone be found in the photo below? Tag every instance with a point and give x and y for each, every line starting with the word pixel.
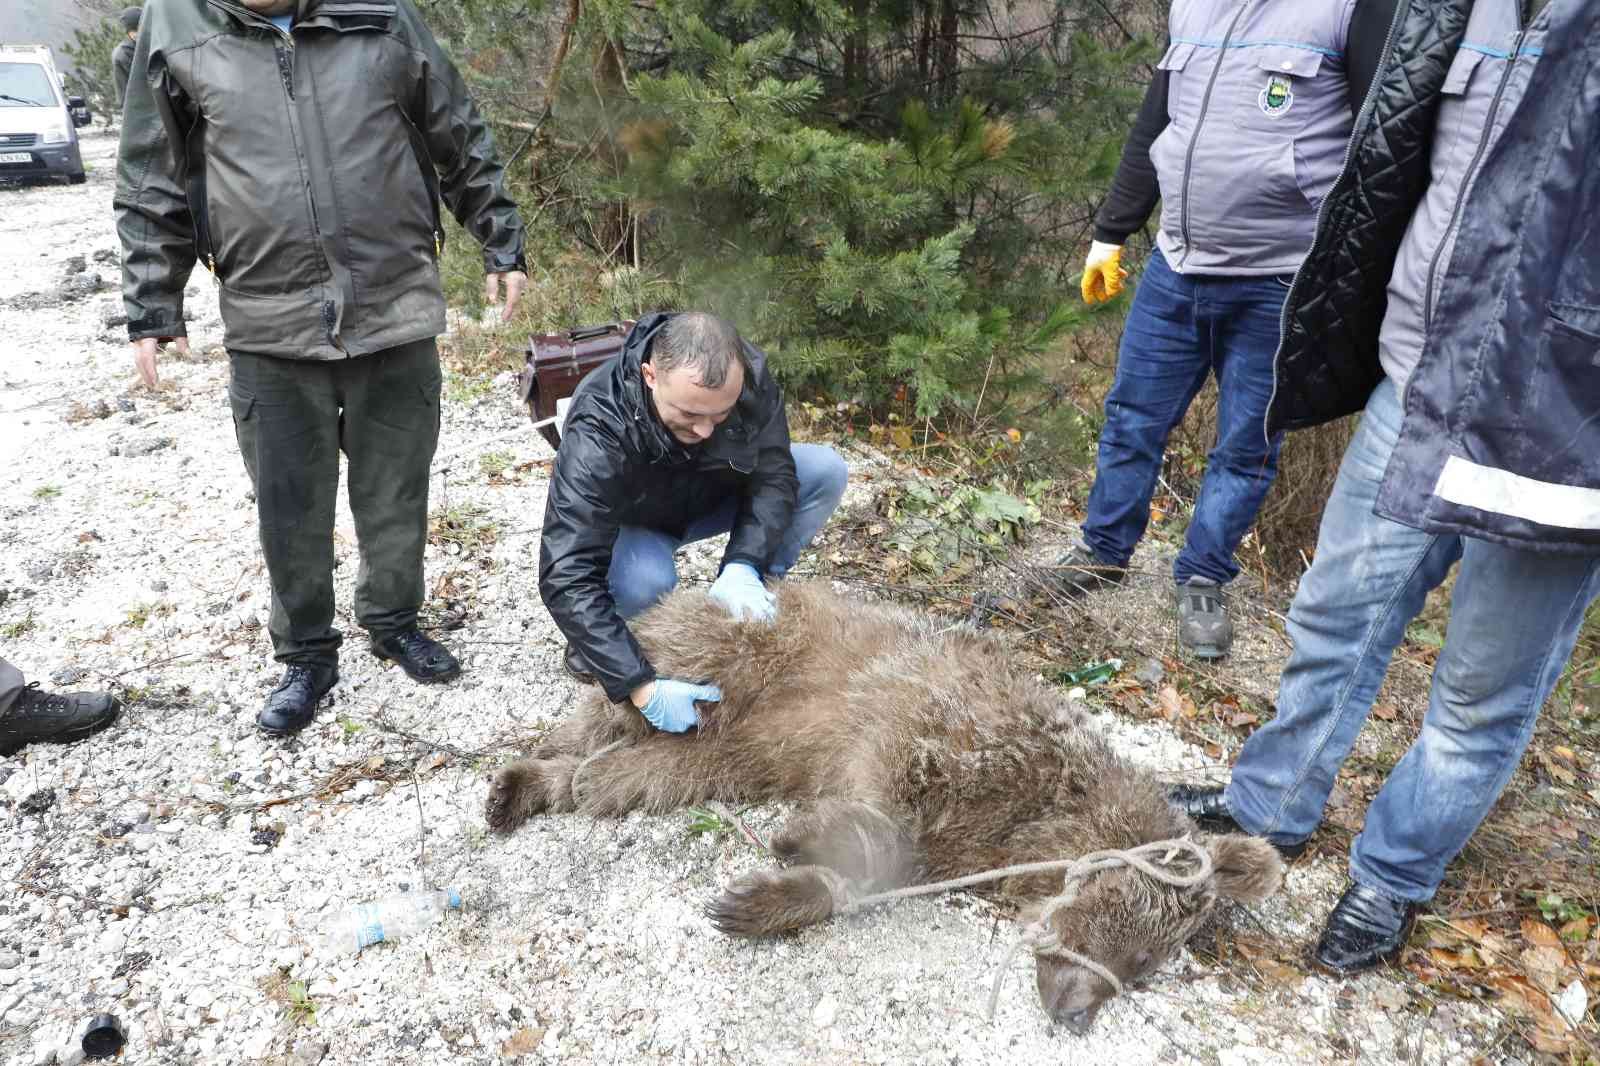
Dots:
pixel 138 892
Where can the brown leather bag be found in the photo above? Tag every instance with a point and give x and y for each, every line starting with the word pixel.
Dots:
pixel 556 362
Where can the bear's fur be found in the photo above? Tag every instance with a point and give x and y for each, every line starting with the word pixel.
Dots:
pixel 918 753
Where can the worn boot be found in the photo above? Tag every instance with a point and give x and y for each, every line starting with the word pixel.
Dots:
pixel 1204 629
pixel 1079 572
pixel 293 704
pixel 38 716
pixel 1365 928
pixel 576 668
pixel 1207 806
pixel 424 658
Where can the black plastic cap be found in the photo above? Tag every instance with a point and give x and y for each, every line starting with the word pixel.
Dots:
pixel 104 1036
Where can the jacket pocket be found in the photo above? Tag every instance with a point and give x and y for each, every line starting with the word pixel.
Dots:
pixel 1459 76
pixel 1271 97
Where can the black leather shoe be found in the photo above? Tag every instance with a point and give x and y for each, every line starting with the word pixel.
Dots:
pixel 291 706
pixel 1204 803
pixel 576 668
pixel 38 716
pixel 424 658
pixel 1366 928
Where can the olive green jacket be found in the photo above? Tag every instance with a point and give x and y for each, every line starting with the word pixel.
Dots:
pixel 305 170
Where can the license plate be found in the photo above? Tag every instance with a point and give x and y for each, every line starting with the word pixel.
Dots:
pixel 15 157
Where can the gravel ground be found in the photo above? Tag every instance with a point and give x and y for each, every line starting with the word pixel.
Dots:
pixel 144 875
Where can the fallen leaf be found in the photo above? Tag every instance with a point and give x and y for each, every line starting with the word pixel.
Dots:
pixel 1546 967
pixel 522 1042
pixel 1171 702
pixel 1465 959
pixel 1552 1039
pixel 1243 718
pixel 1015 435
pixel 1391 997
pixel 1386 711
pixel 1536 932
pixel 1576 931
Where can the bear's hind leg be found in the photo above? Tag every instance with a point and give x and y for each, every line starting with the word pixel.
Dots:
pixel 868 847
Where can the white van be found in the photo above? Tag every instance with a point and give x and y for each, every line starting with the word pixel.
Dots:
pixel 38 121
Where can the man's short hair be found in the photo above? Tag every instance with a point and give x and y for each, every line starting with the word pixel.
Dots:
pixel 130 19
pixel 700 343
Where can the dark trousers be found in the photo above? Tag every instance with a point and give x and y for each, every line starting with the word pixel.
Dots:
pixel 293 418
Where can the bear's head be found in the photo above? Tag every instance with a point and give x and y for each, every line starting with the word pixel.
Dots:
pixel 1132 924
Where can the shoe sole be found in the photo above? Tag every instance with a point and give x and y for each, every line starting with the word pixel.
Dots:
pixel 1206 651
pixel 436 679
pixel 324 698
pixel 66 736
pixel 1387 959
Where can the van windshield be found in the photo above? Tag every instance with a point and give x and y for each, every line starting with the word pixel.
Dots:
pixel 25 85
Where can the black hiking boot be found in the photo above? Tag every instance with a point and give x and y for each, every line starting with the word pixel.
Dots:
pixel 1204 629
pixel 1366 928
pixel 1205 804
pixel 1079 573
pixel 424 658
pixel 576 668
pixel 293 704
pixel 38 716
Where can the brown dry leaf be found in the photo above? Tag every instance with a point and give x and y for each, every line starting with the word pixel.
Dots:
pixel 1552 1037
pixel 1386 711
pixel 1557 771
pixel 1465 959
pixel 1171 702
pixel 1391 997
pixel 1214 751
pixel 1157 516
pixel 1243 718
pixel 1546 967
pixel 1536 932
pixel 374 764
pixel 1496 946
pixel 1278 972
pixel 432 762
pixel 522 1042
pixel 1576 931
pixel 1472 928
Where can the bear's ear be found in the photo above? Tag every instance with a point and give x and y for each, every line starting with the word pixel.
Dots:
pixel 1246 869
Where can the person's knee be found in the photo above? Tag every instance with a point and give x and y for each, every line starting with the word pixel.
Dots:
pixel 642 587
pixel 823 475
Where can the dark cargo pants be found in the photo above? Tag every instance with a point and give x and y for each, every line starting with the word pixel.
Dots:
pixel 293 418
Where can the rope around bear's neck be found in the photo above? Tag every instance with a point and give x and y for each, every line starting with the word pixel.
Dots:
pixel 1153 860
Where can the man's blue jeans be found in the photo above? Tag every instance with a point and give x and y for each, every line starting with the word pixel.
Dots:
pixel 1514 619
pixel 642 570
pixel 1179 330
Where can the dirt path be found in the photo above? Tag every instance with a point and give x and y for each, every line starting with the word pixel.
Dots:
pixel 141 878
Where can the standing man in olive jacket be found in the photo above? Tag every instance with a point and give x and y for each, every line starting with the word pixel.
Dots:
pixel 301 149
pixel 681 437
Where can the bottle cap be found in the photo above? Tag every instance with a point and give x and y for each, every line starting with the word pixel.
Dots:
pixel 103 1037
pixel 452 899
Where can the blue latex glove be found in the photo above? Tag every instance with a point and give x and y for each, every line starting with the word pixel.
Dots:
pixel 671 706
pixel 740 590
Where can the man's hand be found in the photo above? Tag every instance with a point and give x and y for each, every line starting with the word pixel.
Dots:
pixel 740 590
pixel 515 282
pixel 669 705
pixel 144 356
pixel 1102 273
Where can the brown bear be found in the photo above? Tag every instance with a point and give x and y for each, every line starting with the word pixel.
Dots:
pixel 919 752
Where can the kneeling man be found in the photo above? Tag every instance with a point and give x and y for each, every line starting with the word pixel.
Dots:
pixel 681 437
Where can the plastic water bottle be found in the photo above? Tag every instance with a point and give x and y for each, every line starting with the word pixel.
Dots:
pixel 390 918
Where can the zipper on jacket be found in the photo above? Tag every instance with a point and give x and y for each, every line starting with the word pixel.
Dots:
pixel 430 178
pixel 1199 124
pixel 1401 9
pixel 284 51
pixel 1467 180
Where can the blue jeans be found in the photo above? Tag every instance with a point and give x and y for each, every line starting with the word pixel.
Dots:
pixel 1180 329
pixel 1514 618
pixel 642 570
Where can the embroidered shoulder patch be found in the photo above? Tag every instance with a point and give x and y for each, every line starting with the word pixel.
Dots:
pixel 1277 97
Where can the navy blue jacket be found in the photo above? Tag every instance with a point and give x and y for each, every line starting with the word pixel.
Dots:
pixel 1501 436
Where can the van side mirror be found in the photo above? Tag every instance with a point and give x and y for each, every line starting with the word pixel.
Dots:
pixel 79 109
